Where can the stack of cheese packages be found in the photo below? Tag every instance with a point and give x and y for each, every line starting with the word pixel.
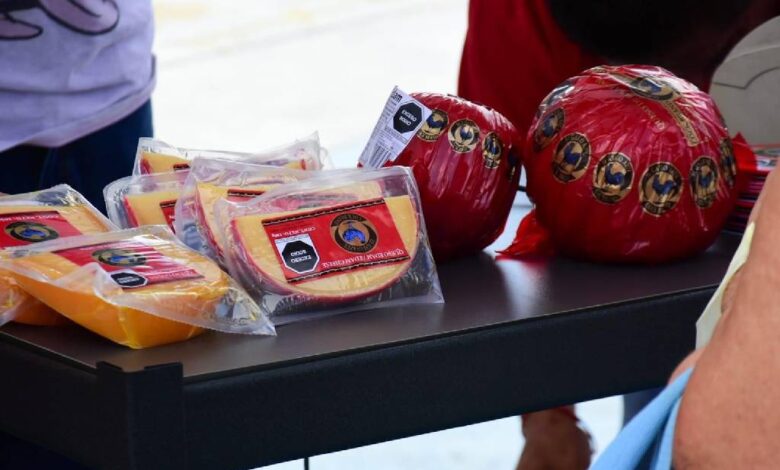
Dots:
pixel 297 241
pixel 755 176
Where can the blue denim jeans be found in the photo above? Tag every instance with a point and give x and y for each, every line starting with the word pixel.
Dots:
pixel 88 164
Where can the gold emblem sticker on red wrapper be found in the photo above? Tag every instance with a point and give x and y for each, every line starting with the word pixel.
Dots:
pixel 131 264
pixel 331 241
pixel 24 228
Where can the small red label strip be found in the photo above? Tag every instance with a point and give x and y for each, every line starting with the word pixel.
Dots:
pixel 168 210
pixel 239 194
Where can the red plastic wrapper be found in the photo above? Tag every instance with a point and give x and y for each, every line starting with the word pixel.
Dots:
pixel 629 164
pixel 465 159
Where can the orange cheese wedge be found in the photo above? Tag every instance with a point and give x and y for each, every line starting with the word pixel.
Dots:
pixel 177 283
pixel 260 256
pixel 154 208
pixel 82 220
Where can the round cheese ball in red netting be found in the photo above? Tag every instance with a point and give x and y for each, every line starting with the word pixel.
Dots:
pixel 466 162
pixel 630 164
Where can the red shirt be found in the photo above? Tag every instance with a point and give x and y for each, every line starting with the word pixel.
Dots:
pixel 514 55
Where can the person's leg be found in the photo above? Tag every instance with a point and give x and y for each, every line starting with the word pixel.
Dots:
pixel 20 169
pixel 554 440
pixel 90 163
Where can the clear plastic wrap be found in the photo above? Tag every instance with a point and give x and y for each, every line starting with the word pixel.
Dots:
pixel 134 201
pixel 628 164
pixel 156 156
pixel 349 241
pixel 139 287
pixel 211 180
pixel 36 217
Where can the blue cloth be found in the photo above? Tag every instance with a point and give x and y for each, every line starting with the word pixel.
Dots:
pixel 635 402
pixel 652 430
pixel 88 164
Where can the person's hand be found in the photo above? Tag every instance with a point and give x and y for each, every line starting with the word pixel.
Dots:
pixel 554 441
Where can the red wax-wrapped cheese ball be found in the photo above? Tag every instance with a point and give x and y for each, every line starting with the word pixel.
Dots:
pixel 630 164
pixel 466 163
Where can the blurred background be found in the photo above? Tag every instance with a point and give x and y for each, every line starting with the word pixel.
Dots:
pixel 248 75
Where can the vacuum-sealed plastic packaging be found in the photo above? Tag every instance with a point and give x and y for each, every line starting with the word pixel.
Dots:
pixel 212 180
pixel 465 158
pixel 352 241
pixel 156 156
pixel 134 201
pixel 139 287
pixel 36 217
pixel 628 164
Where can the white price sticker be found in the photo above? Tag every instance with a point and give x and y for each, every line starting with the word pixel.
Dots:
pixel 401 118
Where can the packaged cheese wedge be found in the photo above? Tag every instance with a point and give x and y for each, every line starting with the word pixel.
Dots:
pixel 212 180
pixel 139 287
pixel 155 156
pixel 352 241
pixel 144 200
pixel 33 218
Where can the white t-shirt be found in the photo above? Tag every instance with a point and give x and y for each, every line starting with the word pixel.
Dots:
pixel 71 67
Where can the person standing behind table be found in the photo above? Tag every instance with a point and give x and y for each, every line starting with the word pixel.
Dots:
pixel 517 51
pixel 76 77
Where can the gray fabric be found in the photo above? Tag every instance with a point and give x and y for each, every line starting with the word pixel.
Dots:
pixel 71 67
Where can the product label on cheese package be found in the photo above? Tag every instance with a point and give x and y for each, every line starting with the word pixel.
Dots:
pixel 131 264
pixel 167 208
pixel 24 228
pixel 401 118
pixel 240 194
pixel 334 240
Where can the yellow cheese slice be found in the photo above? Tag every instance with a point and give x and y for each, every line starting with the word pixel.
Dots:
pixel 32 312
pixel 134 327
pixel 146 208
pixel 206 197
pixel 152 162
pixel 260 256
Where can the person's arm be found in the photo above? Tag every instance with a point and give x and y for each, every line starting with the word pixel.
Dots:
pixel 730 415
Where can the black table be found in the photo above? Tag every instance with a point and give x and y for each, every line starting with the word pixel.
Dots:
pixel 513 337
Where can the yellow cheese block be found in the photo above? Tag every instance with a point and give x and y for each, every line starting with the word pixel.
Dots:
pixel 31 311
pixel 111 314
pixel 260 255
pixel 149 208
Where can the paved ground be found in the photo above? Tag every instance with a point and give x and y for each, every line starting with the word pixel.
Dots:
pixel 248 74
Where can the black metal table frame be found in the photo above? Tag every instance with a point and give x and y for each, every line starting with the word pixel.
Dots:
pixel 154 419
